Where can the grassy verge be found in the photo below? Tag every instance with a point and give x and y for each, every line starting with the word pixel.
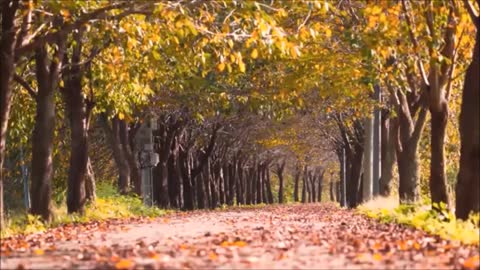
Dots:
pixel 421 216
pixel 109 205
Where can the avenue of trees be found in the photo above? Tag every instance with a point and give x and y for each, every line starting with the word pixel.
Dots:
pixel 255 101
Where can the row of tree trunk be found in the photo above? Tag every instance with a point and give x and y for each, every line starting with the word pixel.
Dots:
pixel 199 169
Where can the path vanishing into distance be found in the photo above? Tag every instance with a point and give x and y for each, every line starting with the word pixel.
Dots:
pixel 307 236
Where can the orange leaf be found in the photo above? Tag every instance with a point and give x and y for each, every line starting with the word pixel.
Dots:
pixel 124 264
pixel 472 262
pixel 239 243
pixel 65 13
pixel 39 251
pixel 402 245
pixel 153 255
pixel 221 67
pixel 225 244
pixel 377 246
pixel 212 256
pixel 377 257
pixel 114 258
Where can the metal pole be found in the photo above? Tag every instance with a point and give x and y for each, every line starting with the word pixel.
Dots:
pixel 377 129
pixel 344 179
pixel 26 191
pixel 367 185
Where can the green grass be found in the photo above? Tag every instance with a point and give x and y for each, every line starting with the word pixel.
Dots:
pixel 442 223
pixel 109 205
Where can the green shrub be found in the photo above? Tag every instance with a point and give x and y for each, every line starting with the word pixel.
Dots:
pixel 109 204
pixel 441 222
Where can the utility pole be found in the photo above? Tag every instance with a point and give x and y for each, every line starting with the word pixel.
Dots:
pixel 377 150
pixel 26 191
pixel 367 186
pixel 343 179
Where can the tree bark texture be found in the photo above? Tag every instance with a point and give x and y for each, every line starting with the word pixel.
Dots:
pixel 468 179
pixel 47 72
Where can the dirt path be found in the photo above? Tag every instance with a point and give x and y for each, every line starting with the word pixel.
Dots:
pixel 313 236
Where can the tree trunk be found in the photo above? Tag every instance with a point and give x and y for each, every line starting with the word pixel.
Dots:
pixel 268 186
pixel 407 160
pixel 313 191
pixel 161 180
pixel 210 186
pixel 332 191
pixel 408 171
pixel 249 181
pixel 354 174
pixel 360 191
pixel 127 139
pixel 259 180
pixel 352 159
pixel 173 181
pixel 296 179
pixel 43 133
pixel 200 191
pixel 468 179
pixel 7 70
pixel 76 196
pixel 407 139
pixel 304 185
pixel 161 170
pixel 183 164
pixel 389 127
pixel 264 185
pixel 78 115
pixel 279 171
pixel 113 137
pixel 320 186
pixel 231 179
pixel 438 178
pixel 240 184
pixel 222 182
pixel 90 188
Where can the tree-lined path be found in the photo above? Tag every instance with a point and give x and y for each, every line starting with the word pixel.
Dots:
pixel 221 112
pixel 313 236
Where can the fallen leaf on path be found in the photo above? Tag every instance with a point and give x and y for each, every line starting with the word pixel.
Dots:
pixel 377 257
pixel 212 256
pixel 124 264
pixel 38 251
pixel 472 262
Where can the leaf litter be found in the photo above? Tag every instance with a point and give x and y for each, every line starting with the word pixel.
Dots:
pixel 319 236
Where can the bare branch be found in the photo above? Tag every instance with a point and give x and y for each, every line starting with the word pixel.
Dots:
pixel 451 79
pixel 25 27
pixel 305 21
pixel 25 85
pixel 419 124
pixel 68 27
pixel 414 41
pixel 430 21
